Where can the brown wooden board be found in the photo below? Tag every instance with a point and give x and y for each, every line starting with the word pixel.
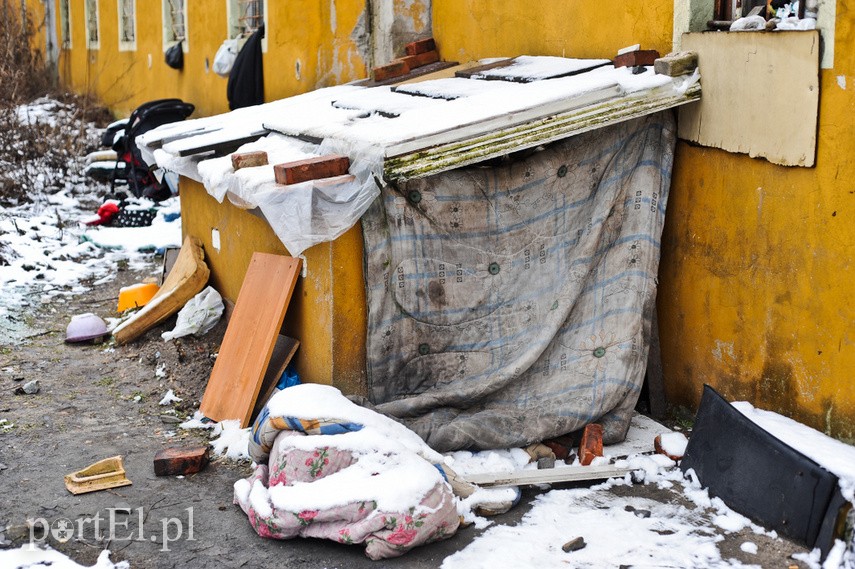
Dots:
pixel 187 277
pixel 478 69
pixel 250 338
pixel 414 73
pixel 283 352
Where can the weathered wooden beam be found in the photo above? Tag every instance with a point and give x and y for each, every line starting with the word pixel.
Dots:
pixel 447 155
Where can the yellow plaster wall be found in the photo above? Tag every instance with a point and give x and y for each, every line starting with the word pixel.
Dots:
pixel 327 311
pixel 317 36
pixel 472 29
pixel 757 272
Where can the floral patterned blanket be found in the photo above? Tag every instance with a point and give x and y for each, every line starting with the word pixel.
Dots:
pixel 384 533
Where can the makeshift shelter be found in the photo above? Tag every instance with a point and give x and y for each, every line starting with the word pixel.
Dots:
pixel 507 301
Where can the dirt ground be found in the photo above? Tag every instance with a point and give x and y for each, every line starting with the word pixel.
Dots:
pixel 98 401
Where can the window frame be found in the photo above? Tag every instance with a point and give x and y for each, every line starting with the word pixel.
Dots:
pixel 65 24
pixel 169 37
pixel 127 45
pixel 233 15
pixel 89 14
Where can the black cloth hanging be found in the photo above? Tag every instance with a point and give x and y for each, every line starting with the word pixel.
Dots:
pixel 246 81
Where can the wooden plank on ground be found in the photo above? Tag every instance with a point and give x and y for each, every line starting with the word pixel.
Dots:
pixel 186 278
pixel 250 338
pixel 283 352
pixel 548 476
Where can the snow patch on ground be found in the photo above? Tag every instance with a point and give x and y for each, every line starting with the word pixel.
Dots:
pixel 30 557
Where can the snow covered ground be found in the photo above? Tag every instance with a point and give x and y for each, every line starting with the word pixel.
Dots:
pixel 45 250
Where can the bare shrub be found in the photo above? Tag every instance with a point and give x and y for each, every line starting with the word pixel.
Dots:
pixel 44 131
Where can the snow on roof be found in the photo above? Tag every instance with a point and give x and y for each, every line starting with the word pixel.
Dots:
pixel 401 132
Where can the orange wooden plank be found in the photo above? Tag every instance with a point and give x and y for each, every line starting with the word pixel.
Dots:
pixel 249 340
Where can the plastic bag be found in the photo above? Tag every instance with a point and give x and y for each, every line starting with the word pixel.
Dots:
pixel 224 60
pixel 199 315
pixel 175 56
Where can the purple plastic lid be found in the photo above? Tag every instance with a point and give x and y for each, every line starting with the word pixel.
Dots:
pixel 85 327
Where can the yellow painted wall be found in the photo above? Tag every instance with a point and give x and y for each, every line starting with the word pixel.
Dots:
pixel 757 275
pixel 317 35
pixel 327 311
pixel 474 29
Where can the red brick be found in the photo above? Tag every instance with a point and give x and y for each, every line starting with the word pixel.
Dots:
pixel 657 446
pixel 249 159
pixel 175 461
pixel 397 68
pixel 311 169
pixel 591 445
pixel 637 57
pixel 420 46
pixel 421 59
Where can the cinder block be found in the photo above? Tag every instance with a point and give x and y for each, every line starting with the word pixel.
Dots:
pixel 591 445
pixel 397 68
pixel 311 169
pixel 421 59
pixel 420 46
pixel 175 461
pixel 676 64
pixel 249 159
pixel 637 57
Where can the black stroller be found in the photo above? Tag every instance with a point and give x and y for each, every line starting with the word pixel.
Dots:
pixel 121 136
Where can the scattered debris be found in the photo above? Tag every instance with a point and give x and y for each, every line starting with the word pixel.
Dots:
pixel 761 476
pixel 574 545
pixel 186 279
pixel 104 474
pixel 29 388
pixel 170 397
pixel 199 315
pixel 136 296
pixel 672 445
pixel 85 327
pixel 174 461
pixel 591 445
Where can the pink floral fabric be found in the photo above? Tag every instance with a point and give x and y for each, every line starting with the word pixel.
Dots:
pixel 384 534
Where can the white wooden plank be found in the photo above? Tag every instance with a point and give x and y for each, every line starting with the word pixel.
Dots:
pixel 548 476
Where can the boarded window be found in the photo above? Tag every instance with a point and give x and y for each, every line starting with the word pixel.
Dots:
pixel 65 24
pixel 127 24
